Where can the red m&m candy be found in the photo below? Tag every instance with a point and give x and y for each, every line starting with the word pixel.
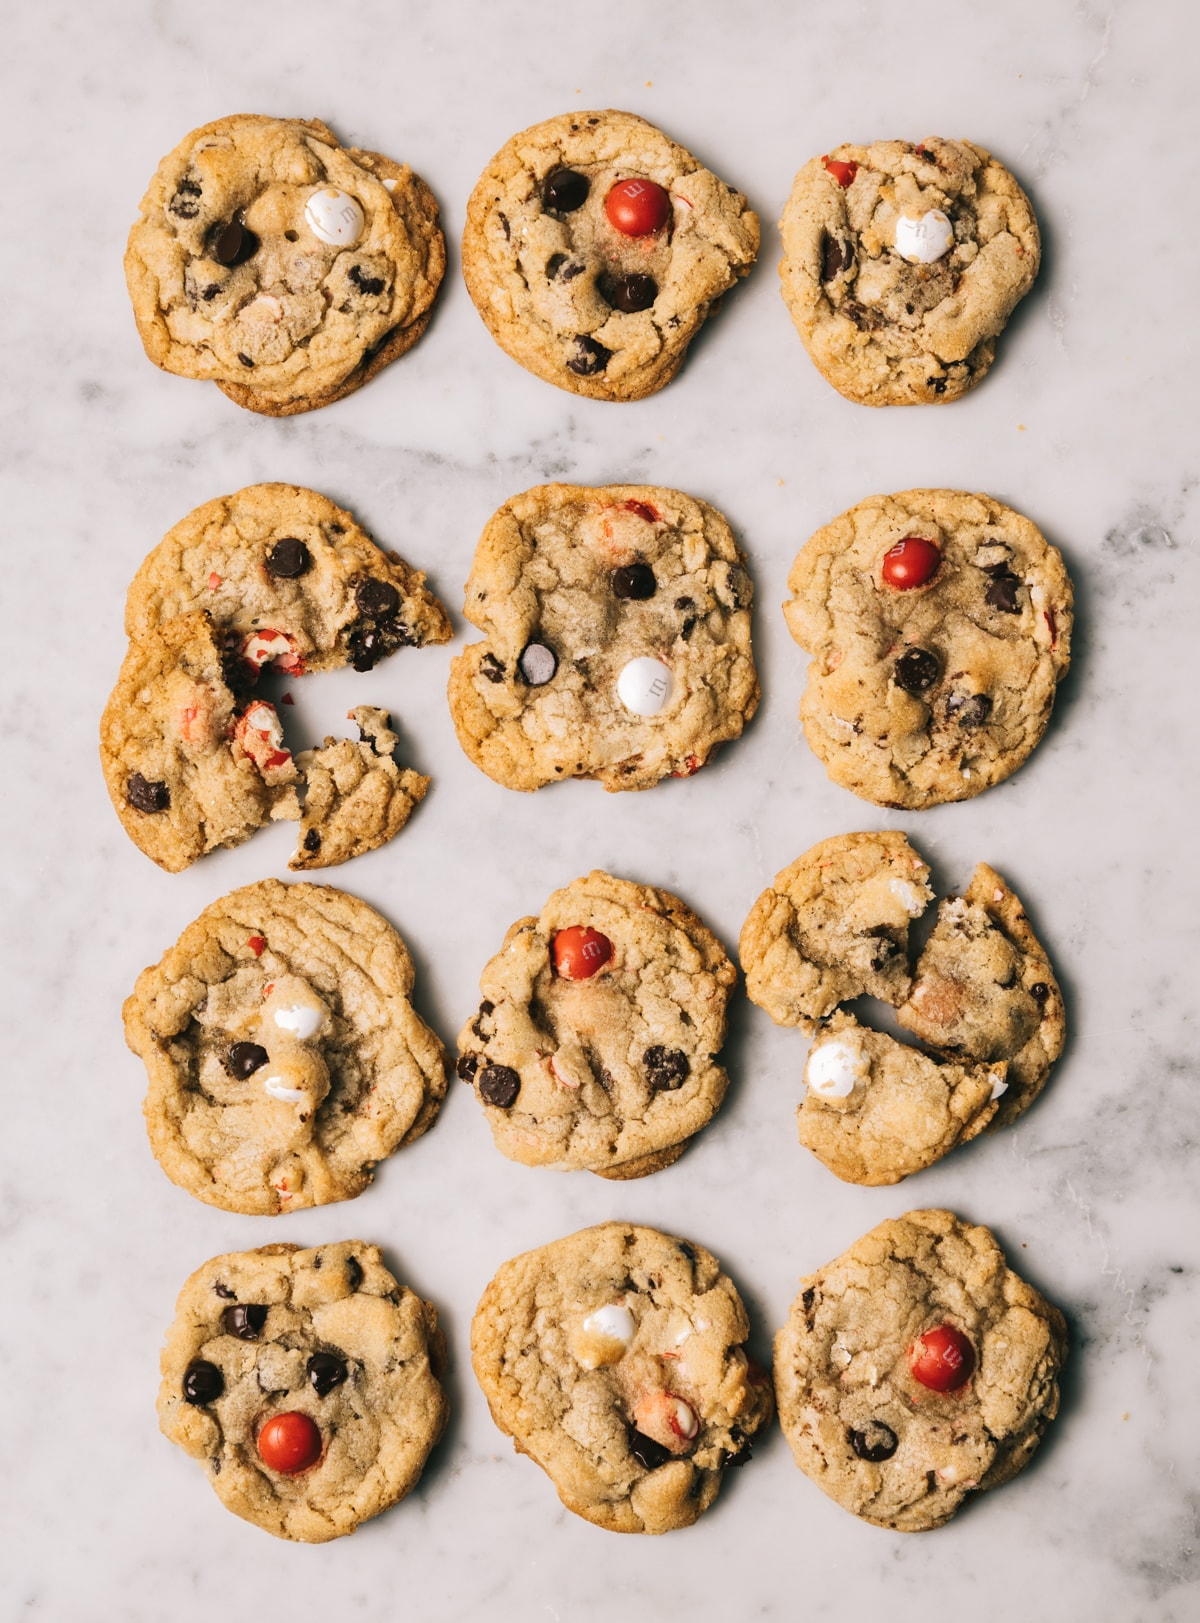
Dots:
pixel 911 562
pixel 289 1443
pixel 637 208
pixel 942 1359
pixel 580 951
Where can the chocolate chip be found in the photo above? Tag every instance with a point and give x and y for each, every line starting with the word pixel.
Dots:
pixel 916 670
pixel 376 598
pixel 325 1372
pixel 245 359
pixel 688 626
pixel 503 218
pixel 354 1271
pixel 836 256
pixel 145 796
pixel 182 203
pixel 685 603
pixel 574 269
pixel 202 1382
pixel 243 1059
pixel 1002 593
pixel 234 244
pixel 589 357
pixel 465 1067
pixel 224 1290
pixel 743 1456
pixel 538 664
pixel 245 1320
pixel 1040 992
pixel 969 709
pixel 632 293
pixel 809 1299
pixel 875 1442
pixel 210 292
pixel 491 667
pixel 646 1451
pixel 366 284
pixel 312 840
pixel 288 558
pixel 499 1086
pixel 565 190
pixel 666 1068
pixel 634 581
pixel 485 1008
pixel 554 264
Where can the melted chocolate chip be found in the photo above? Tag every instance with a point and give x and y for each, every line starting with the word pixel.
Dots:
pixel 364 283
pixel 485 1008
pixel 538 664
pixel 499 1086
pixel 376 598
pixel 183 204
pixel 666 1068
pixel 491 667
pixel 565 190
pixel 809 1300
pixel 646 1451
pixel 325 1372
pixel 969 709
pixel 243 1059
pixel 210 292
pixel 234 244
pixel 224 1290
pixel 245 359
pixel 1040 992
pixel 288 558
pixel 634 581
pixel 916 670
pixel 589 357
pixel 354 1272
pixel 245 1320
pixel 1002 593
pixel 685 603
pixel 202 1382
pixel 554 264
pixel 875 1442
pixel 145 796
pixel 743 1457
pixel 632 293
pixel 465 1067
pixel 837 255
pixel 688 626
pixel 312 841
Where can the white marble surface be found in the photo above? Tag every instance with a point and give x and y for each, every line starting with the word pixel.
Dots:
pixel 1087 423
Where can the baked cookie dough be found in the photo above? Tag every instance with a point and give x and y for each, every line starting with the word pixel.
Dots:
pixel 595 248
pixel 284 267
pixel 901 265
pixel 617 627
pixel 284 1057
pixel 917 1368
pixel 306 1381
pixel 595 1045
pixel 616 1360
pixel 355 796
pixel 939 625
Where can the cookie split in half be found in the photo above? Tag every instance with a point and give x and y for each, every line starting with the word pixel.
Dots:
pixel 284 267
pixel 902 264
pixel 616 1360
pixel 915 1369
pixel 595 248
pixel 307 1383
pixel 595 1045
pixel 617 626
pixel 939 625
pixel 283 1055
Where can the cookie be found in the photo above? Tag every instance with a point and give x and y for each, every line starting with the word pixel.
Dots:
pixel 939 625
pixel 617 627
pixel 595 248
pixel 596 1043
pixel 616 1360
pixel 902 264
pixel 284 267
pixel 293 578
pixel 307 1382
pixel 284 1057
pixel 917 1368
pixel 356 797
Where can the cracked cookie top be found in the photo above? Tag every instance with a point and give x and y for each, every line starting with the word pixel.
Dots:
pixel 307 1384
pixel 901 265
pixel 280 265
pixel 939 625
pixel 284 1057
pixel 617 625
pixel 917 1368
pixel 596 1042
pixel 616 1360
pixel 595 247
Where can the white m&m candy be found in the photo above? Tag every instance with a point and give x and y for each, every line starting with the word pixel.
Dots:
pixel 300 1019
pixel 644 686
pixel 925 239
pixel 335 217
pixel 834 1067
pixel 277 1087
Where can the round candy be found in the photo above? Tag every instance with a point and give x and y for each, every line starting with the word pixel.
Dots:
pixel 335 217
pixel 911 562
pixel 300 1019
pixel 924 240
pixel 289 1443
pixel 580 951
pixel 942 1359
pixel 538 664
pixel 644 686
pixel 834 1067
pixel 637 208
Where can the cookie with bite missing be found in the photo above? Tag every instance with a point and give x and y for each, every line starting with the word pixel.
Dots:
pixel 284 1057
pixel 915 1369
pixel 616 1359
pixel 307 1382
pixel 280 265
pixel 596 247
pixel 902 264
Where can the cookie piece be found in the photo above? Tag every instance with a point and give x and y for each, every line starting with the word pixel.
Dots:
pixel 985 990
pixel 596 1041
pixel 294 576
pixel 285 268
pixel 616 1360
pixel 284 1057
pixel 901 265
pixel 595 248
pixel 618 638
pixel 834 926
pixel 917 1368
pixel 939 625
pixel 307 1383
pixel 356 797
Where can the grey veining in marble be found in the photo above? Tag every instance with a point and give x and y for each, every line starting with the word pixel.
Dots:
pixel 1087 423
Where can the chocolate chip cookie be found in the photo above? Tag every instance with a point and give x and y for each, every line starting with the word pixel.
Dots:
pixel 901 265
pixel 595 1045
pixel 917 1368
pixel 939 625
pixel 284 267
pixel 306 1381
pixel 284 1057
pixel 356 798
pixel 595 248
pixel 616 1360
pixel 617 638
